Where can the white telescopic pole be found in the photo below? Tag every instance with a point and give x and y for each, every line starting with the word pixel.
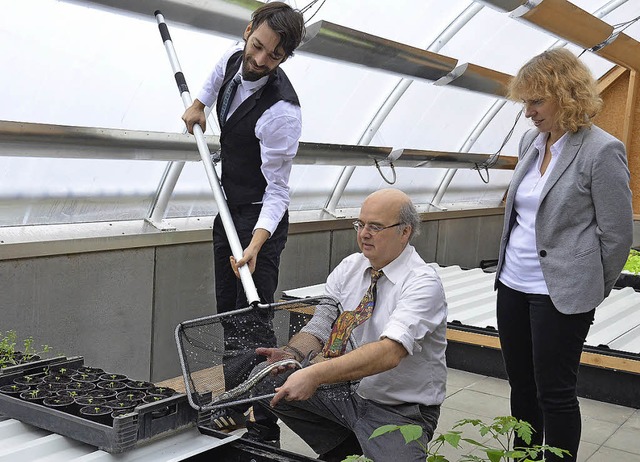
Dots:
pixel 223 208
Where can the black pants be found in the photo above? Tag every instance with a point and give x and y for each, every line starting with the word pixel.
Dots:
pixel 541 348
pixel 243 333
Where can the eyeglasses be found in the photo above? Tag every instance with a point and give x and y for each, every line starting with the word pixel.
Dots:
pixel 373 229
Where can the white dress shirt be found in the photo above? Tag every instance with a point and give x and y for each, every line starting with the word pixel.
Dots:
pixel 278 129
pixel 521 269
pixel 410 309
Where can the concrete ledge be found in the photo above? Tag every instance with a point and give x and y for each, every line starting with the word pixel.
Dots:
pixel 48 240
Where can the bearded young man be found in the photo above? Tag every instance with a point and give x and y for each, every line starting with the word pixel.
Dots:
pixel 261 124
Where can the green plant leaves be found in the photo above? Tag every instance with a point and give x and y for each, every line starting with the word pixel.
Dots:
pixel 452 438
pixel 357 459
pixel 500 432
pixel 633 262
pixel 409 432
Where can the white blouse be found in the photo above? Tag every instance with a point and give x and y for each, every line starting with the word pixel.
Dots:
pixel 521 270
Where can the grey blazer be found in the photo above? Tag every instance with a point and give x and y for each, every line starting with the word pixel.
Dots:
pixel 584 225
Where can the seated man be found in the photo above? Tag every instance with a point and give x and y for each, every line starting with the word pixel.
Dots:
pixel 399 329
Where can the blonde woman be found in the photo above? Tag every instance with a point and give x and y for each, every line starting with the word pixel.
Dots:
pixel 567 234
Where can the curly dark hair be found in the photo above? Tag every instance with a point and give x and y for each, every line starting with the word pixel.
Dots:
pixel 284 21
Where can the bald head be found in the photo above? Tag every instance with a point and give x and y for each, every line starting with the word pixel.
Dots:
pixel 392 210
pixel 389 197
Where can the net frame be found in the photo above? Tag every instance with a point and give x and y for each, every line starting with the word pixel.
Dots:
pixel 203 394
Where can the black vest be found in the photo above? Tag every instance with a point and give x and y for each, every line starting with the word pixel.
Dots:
pixel 242 178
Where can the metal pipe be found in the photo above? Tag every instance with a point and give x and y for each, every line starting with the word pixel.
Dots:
pixel 390 102
pixel 468 143
pixel 163 195
pixel 20 139
pixel 212 176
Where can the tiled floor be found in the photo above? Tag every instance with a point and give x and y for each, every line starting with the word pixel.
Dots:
pixel 610 433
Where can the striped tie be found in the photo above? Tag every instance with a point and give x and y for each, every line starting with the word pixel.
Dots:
pixel 227 98
pixel 349 320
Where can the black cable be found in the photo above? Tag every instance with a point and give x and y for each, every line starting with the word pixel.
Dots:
pixel 626 23
pixel 393 170
pixel 617 30
pixel 309 6
pixel 491 161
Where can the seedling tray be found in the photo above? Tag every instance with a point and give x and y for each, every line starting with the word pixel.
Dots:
pixel 144 423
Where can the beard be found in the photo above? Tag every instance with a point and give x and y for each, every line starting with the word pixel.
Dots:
pixel 251 72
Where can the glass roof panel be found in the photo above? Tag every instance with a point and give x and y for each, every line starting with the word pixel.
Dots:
pixel 73 63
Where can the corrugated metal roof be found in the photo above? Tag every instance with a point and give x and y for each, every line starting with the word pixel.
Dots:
pixel 472 302
pixel 19 441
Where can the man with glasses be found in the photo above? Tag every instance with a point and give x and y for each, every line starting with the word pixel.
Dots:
pixel 391 337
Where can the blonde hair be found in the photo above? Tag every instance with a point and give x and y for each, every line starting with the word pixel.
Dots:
pixel 558 75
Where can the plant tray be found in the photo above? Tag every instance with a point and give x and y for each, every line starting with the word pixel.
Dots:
pixel 144 423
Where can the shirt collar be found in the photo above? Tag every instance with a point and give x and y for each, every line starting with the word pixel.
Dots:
pixel 396 268
pixel 253 86
pixel 556 148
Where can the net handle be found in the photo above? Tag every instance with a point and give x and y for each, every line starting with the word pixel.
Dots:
pixel 252 381
pixel 212 176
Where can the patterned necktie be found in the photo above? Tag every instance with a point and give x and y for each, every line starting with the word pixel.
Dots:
pixel 227 98
pixel 349 320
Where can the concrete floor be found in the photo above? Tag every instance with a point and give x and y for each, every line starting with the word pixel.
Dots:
pixel 609 432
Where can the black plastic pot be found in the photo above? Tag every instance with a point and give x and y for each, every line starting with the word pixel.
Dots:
pixel 131 395
pixel 81 387
pixel 89 401
pixel 112 385
pixel 102 393
pixel 60 403
pixel 35 396
pixel 56 378
pixel 61 370
pixel 121 404
pixel 139 385
pixel 50 386
pixel 110 377
pixel 166 391
pixel 29 380
pixel 14 389
pixel 72 393
pixel 85 377
pixel 100 413
pixel 90 370
pixel 153 398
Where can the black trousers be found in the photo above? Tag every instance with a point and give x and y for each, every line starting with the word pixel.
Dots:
pixel 541 348
pixel 243 333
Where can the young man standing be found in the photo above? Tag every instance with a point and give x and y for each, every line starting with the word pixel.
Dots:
pixel 260 119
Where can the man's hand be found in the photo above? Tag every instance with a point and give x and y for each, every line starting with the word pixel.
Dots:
pixel 195 115
pixel 300 386
pixel 250 254
pixel 274 355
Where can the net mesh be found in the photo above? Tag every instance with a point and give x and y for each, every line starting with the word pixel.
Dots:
pixel 217 353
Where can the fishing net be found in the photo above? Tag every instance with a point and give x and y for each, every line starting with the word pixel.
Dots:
pixel 217 355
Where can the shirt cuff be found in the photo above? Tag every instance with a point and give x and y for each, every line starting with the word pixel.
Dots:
pixel 397 332
pixel 267 224
pixel 206 98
